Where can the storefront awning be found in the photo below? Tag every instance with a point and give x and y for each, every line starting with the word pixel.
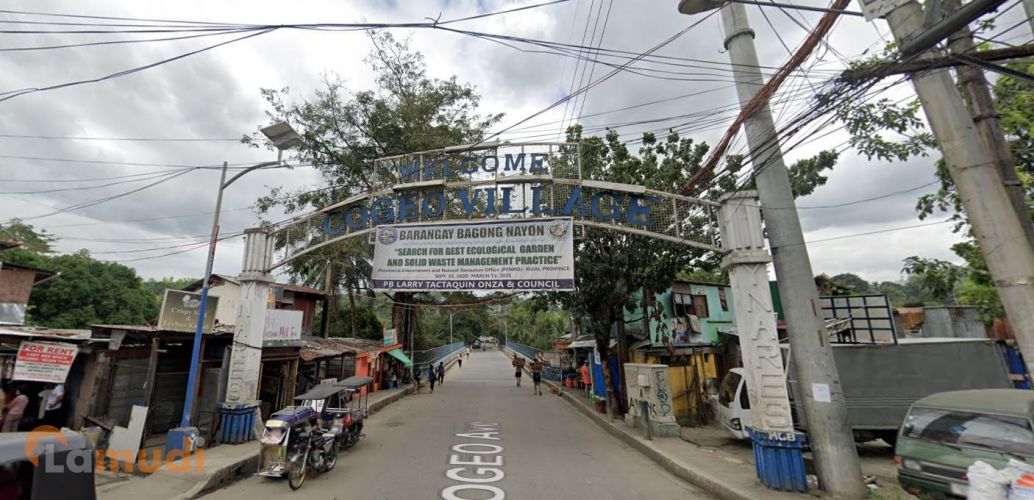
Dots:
pixel 399 355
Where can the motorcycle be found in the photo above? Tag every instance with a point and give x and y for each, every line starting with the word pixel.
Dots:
pixel 317 451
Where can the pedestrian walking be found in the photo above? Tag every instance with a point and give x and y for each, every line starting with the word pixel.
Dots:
pixel 586 379
pixel 441 373
pixel 417 379
pixel 536 375
pixel 459 361
pixel 518 365
pixel 431 377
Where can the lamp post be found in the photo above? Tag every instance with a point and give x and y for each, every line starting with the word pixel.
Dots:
pixel 283 137
pixel 836 460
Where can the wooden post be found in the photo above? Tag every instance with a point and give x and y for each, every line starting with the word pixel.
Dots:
pixel 152 375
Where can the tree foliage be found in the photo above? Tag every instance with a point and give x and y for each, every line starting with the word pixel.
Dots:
pixel 32 239
pixel 344 131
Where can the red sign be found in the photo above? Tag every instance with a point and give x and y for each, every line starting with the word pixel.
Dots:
pixel 44 361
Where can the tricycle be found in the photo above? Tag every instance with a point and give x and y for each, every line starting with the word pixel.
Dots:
pixel 309 436
pixel 351 419
pixel 286 435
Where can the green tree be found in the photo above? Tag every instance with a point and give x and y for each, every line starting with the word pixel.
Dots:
pixel 159 286
pixel 85 291
pixel 856 284
pixel 33 240
pixel 344 132
pixel 937 276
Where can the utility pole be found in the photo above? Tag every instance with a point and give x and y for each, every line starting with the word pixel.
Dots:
pixel 836 459
pixel 1028 9
pixel 997 228
pixel 977 94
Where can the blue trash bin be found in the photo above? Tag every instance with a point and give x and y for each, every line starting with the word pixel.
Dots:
pixel 237 422
pixel 779 459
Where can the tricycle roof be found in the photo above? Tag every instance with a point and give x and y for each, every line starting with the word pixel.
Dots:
pixel 355 381
pixel 322 391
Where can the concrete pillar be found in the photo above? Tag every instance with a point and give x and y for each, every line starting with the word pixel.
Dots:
pixel 246 351
pixel 747 263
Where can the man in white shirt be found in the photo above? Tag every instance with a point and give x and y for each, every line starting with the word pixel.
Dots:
pixel 53 406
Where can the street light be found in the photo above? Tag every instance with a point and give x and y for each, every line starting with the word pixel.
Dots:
pixel 697 6
pixel 283 137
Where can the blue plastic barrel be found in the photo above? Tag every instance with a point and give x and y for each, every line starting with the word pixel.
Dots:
pixel 779 459
pixel 236 423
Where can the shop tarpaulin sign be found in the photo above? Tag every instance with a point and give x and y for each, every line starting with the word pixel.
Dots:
pixel 389 336
pixel 503 255
pixel 180 311
pixel 282 324
pixel 44 361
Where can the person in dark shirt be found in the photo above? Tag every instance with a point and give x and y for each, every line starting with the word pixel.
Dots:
pixel 536 375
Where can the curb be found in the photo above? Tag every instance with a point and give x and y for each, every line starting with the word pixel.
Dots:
pixel 247 466
pixel 670 464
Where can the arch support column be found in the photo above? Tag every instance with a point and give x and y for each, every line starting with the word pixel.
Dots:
pixel 747 263
pixel 240 412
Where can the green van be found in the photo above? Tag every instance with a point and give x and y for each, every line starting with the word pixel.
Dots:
pixel 944 433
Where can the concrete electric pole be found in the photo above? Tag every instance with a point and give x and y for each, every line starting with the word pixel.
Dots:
pixel 836 459
pixel 977 93
pixel 996 225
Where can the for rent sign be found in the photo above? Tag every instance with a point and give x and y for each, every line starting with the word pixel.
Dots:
pixel 44 361
pixel 512 255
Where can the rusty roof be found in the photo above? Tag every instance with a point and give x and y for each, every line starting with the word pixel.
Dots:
pixel 48 333
pixel 300 289
pixel 217 330
pixel 319 347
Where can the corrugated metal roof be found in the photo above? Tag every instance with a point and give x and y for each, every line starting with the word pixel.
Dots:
pixel 300 289
pixel 49 333
pixel 319 347
pixel 217 330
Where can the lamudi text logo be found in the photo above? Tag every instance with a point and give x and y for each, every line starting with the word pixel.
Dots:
pixel 44 441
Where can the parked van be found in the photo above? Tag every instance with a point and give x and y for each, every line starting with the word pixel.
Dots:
pixel 944 433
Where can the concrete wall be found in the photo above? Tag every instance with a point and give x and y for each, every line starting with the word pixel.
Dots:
pixel 720 315
pixel 15 285
pixel 229 302
pixel 648 386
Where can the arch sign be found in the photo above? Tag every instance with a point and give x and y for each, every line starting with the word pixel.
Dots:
pixel 514 255
pixel 492 207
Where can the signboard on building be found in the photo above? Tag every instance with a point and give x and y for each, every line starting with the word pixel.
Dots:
pixel 389 336
pixel 505 255
pixel 179 311
pixel 282 324
pixel 44 361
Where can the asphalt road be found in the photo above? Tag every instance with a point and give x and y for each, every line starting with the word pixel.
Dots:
pixel 545 447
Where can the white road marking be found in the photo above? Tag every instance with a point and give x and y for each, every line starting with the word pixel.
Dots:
pixel 476 454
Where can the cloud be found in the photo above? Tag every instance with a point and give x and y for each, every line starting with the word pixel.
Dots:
pixel 216 94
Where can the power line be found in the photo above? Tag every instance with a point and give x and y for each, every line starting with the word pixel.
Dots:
pixel 92 203
pixel 133 139
pixel 601 79
pixel 880 231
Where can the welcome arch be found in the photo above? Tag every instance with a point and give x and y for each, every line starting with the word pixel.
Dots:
pixel 498 182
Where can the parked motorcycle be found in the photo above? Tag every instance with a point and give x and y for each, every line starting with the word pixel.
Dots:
pixel 317 452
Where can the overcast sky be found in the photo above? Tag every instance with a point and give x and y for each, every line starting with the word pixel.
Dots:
pixel 215 95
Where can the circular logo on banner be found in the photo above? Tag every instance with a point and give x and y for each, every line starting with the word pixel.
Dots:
pixel 387 235
pixel 558 228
